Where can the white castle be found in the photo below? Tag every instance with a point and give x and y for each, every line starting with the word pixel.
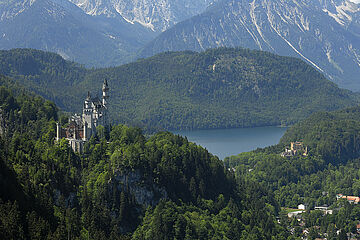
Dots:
pixel 81 128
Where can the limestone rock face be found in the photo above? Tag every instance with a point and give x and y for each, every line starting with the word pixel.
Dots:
pixel 158 15
pixel 145 191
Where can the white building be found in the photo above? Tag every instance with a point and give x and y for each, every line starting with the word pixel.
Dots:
pixel 302 206
pixel 81 128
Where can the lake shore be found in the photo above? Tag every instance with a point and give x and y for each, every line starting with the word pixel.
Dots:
pixel 228 142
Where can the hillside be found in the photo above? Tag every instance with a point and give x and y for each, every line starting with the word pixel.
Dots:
pixel 323 33
pixel 118 187
pixel 219 88
pixel 126 186
pixel 331 167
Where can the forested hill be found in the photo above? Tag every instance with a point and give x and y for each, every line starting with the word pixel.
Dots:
pixel 218 88
pixel 124 186
pixel 331 167
pixel 332 135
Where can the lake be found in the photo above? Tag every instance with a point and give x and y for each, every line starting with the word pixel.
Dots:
pixel 227 142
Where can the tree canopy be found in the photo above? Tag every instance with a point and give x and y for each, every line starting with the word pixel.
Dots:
pixel 218 88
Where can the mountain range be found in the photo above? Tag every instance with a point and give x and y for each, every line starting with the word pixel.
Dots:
pixel 61 27
pixel 95 33
pixel 156 15
pixel 326 34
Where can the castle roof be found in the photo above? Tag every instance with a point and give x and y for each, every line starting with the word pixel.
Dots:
pixel 96 101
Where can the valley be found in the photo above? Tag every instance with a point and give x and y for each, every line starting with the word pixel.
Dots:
pixel 125 185
pixel 143 119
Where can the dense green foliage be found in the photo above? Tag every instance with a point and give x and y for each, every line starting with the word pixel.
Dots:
pixel 212 220
pixel 45 73
pixel 128 186
pixel 333 136
pixel 333 226
pixel 218 88
pixel 331 165
pixel 123 186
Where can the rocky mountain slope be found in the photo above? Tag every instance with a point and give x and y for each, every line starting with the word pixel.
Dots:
pixel 324 33
pixel 156 15
pixel 92 32
pixel 61 27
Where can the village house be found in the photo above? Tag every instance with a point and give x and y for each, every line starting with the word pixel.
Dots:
pixel 295 213
pixel 302 207
pixel 324 209
pixel 350 199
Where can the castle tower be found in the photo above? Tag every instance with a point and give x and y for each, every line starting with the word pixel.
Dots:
pixel 58 131
pixel 87 101
pixel 105 97
pixel 87 116
pixel 105 91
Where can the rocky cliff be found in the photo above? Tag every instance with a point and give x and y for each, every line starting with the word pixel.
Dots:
pixel 156 15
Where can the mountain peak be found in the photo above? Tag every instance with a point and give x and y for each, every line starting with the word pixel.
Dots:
pixel 343 12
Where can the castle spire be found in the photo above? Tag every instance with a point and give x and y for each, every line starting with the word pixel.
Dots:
pixel 87 101
pixel 105 84
pixel 105 90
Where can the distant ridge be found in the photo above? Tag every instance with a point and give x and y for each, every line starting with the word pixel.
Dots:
pixel 218 88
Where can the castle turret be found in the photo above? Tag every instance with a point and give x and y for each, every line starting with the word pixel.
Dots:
pixel 87 101
pixel 104 113
pixel 87 116
pixel 105 91
pixel 58 131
